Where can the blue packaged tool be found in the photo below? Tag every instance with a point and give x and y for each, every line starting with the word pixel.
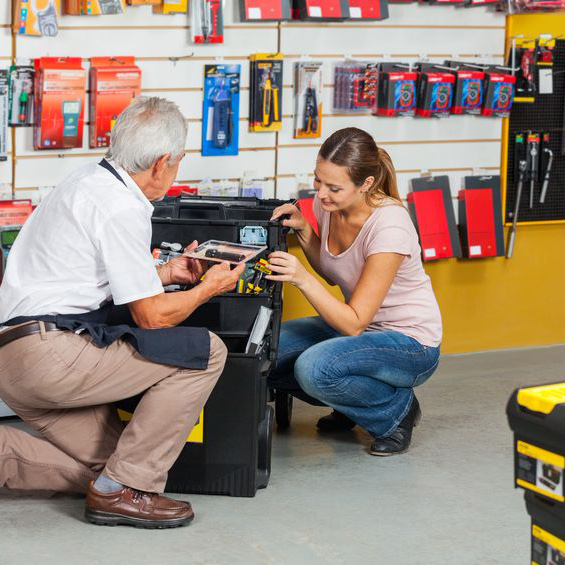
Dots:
pixel 220 114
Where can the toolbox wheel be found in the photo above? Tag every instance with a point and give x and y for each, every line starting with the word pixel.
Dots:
pixel 283 409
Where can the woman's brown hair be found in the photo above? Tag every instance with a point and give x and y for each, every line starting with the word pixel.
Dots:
pixel 356 150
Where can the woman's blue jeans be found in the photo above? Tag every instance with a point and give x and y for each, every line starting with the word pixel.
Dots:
pixel 369 378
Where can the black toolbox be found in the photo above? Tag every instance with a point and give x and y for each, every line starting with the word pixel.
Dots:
pixel 229 450
pixel 548 530
pixel 537 418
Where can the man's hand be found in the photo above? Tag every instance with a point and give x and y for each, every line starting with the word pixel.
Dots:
pixel 182 270
pixel 220 278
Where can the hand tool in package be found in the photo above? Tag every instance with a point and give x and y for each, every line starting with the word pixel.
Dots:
pixel 171 7
pixel 431 207
pixel 265 100
pixel 499 91
pixel 307 99
pixel 60 88
pixel 21 94
pixel 521 175
pixel 546 161
pixel 524 57
pixel 480 217
pixel 220 113
pixel 322 10
pixel 207 21
pixel 94 7
pixel 469 87
pixel 114 81
pixel 4 107
pixel 368 9
pixel 36 17
pixel 265 10
pixel 396 90
pixel 355 87
pixel 436 85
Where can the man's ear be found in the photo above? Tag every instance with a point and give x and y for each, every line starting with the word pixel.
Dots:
pixel 161 165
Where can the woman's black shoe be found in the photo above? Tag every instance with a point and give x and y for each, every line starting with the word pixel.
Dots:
pixel 399 441
pixel 335 422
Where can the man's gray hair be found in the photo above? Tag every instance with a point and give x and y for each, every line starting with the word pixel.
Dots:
pixel 145 131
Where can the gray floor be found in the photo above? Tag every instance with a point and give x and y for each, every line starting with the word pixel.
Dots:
pixel 449 500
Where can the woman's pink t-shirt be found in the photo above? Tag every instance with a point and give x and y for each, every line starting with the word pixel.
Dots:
pixel 410 306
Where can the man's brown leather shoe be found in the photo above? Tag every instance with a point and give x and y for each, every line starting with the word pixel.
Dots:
pixel 132 507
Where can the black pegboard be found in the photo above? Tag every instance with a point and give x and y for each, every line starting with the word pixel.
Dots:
pixel 545 115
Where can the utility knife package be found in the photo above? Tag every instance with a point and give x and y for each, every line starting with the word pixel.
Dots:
pixel 207 21
pixel 220 112
pixel 265 100
pixel 307 99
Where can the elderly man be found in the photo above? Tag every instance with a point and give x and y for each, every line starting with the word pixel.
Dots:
pixel 62 365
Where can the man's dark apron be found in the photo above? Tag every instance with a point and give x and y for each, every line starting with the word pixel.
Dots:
pixel 188 348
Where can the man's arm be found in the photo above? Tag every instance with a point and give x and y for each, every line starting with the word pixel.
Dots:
pixel 167 310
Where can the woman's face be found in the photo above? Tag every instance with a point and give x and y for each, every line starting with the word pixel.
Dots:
pixel 335 189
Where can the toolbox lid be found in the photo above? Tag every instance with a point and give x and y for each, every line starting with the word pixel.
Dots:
pixel 542 399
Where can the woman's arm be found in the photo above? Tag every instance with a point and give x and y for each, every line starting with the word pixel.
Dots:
pixel 349 319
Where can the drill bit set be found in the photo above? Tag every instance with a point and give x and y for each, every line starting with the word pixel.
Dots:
pixel 307 99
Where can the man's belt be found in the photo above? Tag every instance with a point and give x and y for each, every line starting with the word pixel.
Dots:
pixel 24 330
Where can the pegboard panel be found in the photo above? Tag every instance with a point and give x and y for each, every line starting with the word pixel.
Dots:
pixel 545 115
pixel 172 67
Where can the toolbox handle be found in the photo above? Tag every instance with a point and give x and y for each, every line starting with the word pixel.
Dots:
pixel 217 209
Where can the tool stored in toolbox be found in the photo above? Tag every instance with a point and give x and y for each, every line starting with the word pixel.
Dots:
pixel 522 168
pixel 260 268
pixel 265 101
pixel 224 255
pixel 220 112
pixel 307 99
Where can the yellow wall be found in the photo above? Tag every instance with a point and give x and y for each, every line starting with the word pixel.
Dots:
pixel 496 303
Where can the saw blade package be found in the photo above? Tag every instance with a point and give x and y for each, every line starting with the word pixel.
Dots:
pixel 307 99
pixel 265 100
pixel 220 113
pixel 207 21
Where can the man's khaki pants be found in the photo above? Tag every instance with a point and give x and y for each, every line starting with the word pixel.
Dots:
pixel 63 386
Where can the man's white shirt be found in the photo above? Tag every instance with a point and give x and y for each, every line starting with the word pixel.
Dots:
pixel 88 242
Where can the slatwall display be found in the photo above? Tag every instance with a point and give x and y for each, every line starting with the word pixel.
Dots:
pixel 545 115
pixel 172 67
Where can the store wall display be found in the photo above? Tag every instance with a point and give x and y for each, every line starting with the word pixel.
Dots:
pixel 114 81
pixel 220 113
pixel 265 99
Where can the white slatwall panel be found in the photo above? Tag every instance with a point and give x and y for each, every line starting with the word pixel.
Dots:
pixel 172 67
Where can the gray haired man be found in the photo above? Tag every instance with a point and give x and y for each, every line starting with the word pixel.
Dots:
pixel 62 364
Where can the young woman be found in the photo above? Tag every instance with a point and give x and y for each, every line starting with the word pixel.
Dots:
pixel 363 357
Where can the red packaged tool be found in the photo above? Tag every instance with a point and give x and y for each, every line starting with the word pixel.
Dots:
pixel 368 9
pixel 435 91
pixel 323 9
pixel 207 22
pixel 60 87
pixel 480 217
pixel 265 10
pixel 499 92
pixel 431 208
pixel 114 81
pixel 396 90
pixel 469 88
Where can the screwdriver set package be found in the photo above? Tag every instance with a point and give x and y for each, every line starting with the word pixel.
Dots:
pixel 469 88
pixel 396 90
pixel 220 113
pixel 499 92
pixel 207 21
pixel 265 99
pixel 265 10
pixel 435 91
pixel 21 95
pixel 36 19
pixel 114 81
pixel 60 89
pixel 355 87
pixel 307 99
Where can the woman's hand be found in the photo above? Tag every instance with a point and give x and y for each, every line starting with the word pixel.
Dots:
pixel 294 219
pixel 287 268
pixel 183 269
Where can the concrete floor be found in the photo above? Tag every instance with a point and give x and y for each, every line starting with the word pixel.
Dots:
pixel 449 500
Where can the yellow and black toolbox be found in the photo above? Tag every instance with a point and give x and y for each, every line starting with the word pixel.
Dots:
pixel 537 418
pixel 548 530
